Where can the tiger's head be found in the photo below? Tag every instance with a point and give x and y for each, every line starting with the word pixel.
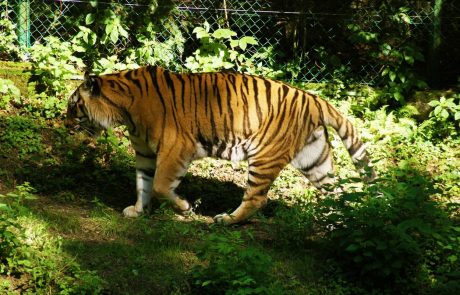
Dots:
pixel 88 110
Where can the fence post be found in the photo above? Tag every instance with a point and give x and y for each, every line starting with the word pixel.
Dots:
pixel 23 22
pixel 433 63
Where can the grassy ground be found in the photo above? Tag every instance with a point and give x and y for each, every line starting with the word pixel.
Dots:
pixel 76 240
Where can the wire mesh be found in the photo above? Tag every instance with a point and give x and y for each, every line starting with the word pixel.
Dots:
pixel 314 60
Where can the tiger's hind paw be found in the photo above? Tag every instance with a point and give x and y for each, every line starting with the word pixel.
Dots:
pixel 131 212
pixel 224 219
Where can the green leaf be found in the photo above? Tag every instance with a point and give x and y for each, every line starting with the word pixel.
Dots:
pixel 457 116
pixel 223 34
pixel 444 114
pixel 352 248
pixel 122 32
pixel 249 40
pixel 402 77
pixel 200 32
pixel 90 17
pixel 405 18
pixel 392 76
pixel 437 110
pixel 398 96
pixel 234 43
pixel 109 28
pixel 243 43
pixel 433 103
pixel 114 36
pixel 409 59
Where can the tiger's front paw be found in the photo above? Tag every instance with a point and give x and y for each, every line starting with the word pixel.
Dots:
pixel 224 218
pixel 183 207
pixel 131 212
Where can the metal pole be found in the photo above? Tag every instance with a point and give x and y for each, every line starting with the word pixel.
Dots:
pixel 433 65
pixel 23 22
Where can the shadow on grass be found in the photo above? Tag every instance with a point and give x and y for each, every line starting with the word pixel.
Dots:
pixel 77 169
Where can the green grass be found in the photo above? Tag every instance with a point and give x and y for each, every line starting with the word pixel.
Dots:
pixel 75 239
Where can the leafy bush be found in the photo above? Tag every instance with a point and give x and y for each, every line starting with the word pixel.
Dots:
pixel 9 48
pixel 229 267
pixel 218 50
pixel 53 63
pixel 151 49
pixel 8 92
pixel 10 229
pixel 21 134
pixel 112 31
pixel 444 119
pixel 28 251
pixel 389 232
pixel 394 50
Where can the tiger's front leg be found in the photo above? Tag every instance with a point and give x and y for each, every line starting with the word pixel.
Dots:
pixel 172 164
pixel 145 171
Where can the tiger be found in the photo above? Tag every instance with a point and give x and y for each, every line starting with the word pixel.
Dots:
pixel 175 118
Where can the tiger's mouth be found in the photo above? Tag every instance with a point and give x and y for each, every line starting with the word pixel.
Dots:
pixel 83 125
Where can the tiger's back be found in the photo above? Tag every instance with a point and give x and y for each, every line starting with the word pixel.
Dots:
pixel 175 118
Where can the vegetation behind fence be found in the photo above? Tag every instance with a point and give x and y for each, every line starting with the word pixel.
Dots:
pixel 314 42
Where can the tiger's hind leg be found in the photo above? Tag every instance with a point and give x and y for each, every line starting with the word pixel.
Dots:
pixel 262 172
pixel 314 160
pixel 145 170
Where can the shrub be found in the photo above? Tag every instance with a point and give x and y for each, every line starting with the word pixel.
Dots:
pixel 8 92
pixel 53 63
pixel 444 119
pixel 9 48
pixel 218 50
pixel 387 234
pixel 21 134
pixel 27 251
pixel 229 267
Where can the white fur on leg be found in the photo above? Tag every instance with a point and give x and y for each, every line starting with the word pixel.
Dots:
pixel 224 218
pixel 130 211
pixel 144 194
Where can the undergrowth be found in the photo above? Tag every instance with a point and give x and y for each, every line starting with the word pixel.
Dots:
pixel 397 233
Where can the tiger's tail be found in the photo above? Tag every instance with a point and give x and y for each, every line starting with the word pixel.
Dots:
pixel 350 138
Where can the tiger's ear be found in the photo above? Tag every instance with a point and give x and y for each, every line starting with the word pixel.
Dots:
pixel 88 81
pixel 90 84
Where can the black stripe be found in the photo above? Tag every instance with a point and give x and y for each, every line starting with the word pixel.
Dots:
pixel 131 125
pixel 156 86
pixel 260 175
pixel 222 147
pixel 182 83
pixel 136 82
pixel 318 161
pixel 256 99
pixel 354 148
pixel 320 179
pixel 285 90
pixel 268 93
pixel 229 106
pixel 207 145
pixel 146 156
pixel 218 97
pixel 148 172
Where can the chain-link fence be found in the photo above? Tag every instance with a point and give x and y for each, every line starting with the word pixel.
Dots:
pixel 312 44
